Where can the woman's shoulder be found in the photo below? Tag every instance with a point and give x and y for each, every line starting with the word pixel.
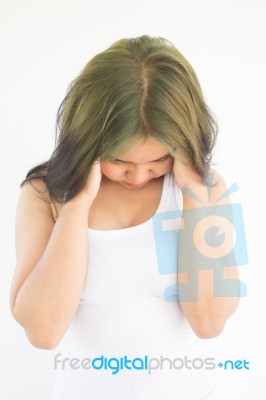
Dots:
pixel 37 189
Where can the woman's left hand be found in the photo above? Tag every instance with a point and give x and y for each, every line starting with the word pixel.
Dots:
pixel 184 174
pixel 194 188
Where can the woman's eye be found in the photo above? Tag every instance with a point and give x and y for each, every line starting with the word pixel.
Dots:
pixel 163 159
pixel 117 162
pixel 123 162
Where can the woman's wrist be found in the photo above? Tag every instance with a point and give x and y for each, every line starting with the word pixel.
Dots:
pixel 80 204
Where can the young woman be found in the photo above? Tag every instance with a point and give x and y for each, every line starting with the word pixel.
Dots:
pixel 93 265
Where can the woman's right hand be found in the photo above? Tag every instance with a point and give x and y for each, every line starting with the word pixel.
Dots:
pixel 91 187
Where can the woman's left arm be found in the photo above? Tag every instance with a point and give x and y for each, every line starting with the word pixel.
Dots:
pixel 208 312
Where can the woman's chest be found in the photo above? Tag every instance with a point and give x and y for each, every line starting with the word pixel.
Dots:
pixel 118 209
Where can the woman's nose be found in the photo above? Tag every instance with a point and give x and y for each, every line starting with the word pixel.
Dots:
pixel 138 174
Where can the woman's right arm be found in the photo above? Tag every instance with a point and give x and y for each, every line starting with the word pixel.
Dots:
pixel 51 262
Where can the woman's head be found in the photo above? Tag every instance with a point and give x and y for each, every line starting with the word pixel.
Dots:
pixel 139 88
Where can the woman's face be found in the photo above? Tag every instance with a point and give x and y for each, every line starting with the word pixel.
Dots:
pixel 134 168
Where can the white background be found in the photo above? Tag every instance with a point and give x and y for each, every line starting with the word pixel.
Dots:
pixel 44 44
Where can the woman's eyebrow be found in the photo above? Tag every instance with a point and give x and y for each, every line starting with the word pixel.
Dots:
pixel 158 159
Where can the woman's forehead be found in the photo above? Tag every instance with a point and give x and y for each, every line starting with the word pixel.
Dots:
pixel 143 151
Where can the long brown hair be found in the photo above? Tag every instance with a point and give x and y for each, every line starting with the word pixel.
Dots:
pixel 137 88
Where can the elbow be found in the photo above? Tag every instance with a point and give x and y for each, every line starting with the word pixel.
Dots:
pixel 39 334
pixel 208 325
pixel 208 329
pixel 43 341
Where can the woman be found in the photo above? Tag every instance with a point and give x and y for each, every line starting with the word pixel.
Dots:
pixel 91 277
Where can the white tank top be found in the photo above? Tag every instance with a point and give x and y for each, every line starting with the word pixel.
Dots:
pixel 123 311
